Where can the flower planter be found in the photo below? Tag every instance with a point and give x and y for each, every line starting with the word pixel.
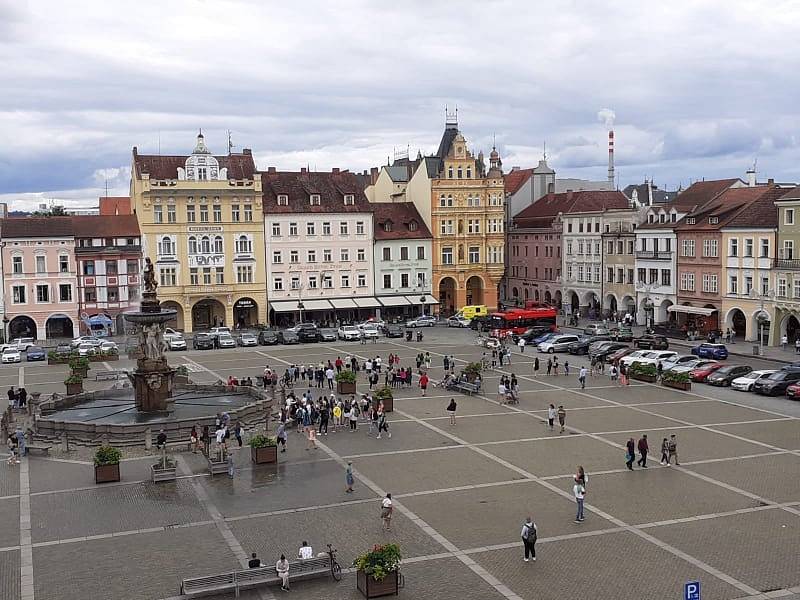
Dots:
pixel 264 456
pixel 643 377
pixel 343 387
pixel 159 473
pixel 74 388
pixel 678 385
pixel 57 361
pixel 372 588
pixel 388 404
pixel 103 357
pixel 82 372
pixel 217 467
pixel 106 473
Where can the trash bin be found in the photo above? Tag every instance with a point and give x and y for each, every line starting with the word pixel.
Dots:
pixel 756 351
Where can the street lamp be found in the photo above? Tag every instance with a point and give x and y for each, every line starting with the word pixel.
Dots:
pixel 5 328
pixel 762 317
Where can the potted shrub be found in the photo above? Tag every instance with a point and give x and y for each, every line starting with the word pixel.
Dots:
pixel 679 381
pixel 346 382
pixel 74 384
pixel 106 464
pixel 378 571
pixel 641 372
pixel 79 365
pixel 472 370
pixel 182 375
pixel 386 396
pixel 263 449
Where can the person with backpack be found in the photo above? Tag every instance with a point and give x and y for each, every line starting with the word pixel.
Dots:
pixel 529 536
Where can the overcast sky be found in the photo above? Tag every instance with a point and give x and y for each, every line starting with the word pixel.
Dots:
pixel 700 88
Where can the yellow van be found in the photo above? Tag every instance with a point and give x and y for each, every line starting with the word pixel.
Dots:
pixel 473 310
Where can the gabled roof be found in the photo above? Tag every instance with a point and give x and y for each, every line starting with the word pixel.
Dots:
pixel 549 206
pixel 89 226
pixel 793 194
pixel 398 173
pixel 701 192
pixel 515 179
pixel 299 186
pixel 240 166
pixel 115 205
pixel 36 227
pixel 735 207
pixel 401 215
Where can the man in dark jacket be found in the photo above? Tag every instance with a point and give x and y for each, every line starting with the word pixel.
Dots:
pixel 630 456
pixel 643 450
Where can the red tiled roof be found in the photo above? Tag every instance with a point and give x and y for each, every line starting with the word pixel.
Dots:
pixel 792 194
pixel 89 226
pixel 734 207
pixel 760 213
pixel 299 187
pixel 240 166
pixel 401 214
pixel 36 227
pixel 542 212
pixel 701 192
pixel 115 205
pixel 516 179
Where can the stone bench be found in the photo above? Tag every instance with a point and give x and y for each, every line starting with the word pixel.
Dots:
pixel 466 387
pixel 43 448
pixel 110 375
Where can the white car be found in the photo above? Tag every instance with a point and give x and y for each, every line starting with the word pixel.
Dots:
pixel 557 343
pixel 348 332
pixel 657 356
pixel 86 339
pixel 633 357
pixel 458 322
pixel 677 360
pixel 175 343
pixel 11 355
pixel 248 339
pixel 745 382
pixel 87 349
pixel 218 331
pixel 225 340
pixel 370 332
pixel 423 321
pixel 23 343
pixel 380 324
pixel 169 332
pixel 108 346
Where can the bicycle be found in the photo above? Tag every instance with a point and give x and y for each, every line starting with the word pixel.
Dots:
pixel 336 569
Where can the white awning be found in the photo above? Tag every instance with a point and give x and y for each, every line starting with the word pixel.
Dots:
pixel 368 302
pixel 342 303
pixel 691 310
pixel 429 300
pixel 393 300
pixel 284 306
pixel 316 305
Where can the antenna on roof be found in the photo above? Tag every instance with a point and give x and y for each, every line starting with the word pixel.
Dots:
pixel 230 142
pixel 159 143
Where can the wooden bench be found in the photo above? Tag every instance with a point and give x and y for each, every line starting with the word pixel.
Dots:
pixel 44 449
pixel 466 387
pixel 110 375
pixel 309 568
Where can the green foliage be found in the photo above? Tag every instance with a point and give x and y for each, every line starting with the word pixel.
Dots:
pixel 107 455
pixel 78 363
pixel 74 378
pixel 640 369
pixel 182 370
pixel 346 376
pixel 262 441
pixel 673 377
pixel 473 368
pixel 385 393
pixel 380 561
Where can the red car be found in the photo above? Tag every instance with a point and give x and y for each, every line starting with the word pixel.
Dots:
pixel 793 391
pixel 613 358
pixel 699 375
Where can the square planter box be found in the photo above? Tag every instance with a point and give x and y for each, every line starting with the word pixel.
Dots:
pixel 157 473
pixel 57 361
pixel 106 473
pixel 264 456
pixel 370 588
pixel 345 388
pixel 217 467
pixel 388 404
pixel 678 385
pixel 74 388
pixel 647 378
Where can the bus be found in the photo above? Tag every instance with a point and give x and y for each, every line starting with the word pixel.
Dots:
pixel 519 320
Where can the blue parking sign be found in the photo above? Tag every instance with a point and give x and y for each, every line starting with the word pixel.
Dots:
pixel 691 590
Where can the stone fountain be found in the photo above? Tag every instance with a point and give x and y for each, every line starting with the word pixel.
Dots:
pixel 153 378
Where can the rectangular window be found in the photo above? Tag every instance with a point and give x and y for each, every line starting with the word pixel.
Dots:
pixel 235 215
pixel 474 254
pixel 294 283
pixel 748 285
pixel 132 266
pixel 610 249
pixel 42 293
pixel 248 213
pixel 710 249
pixel 283 200
pixel 40 265
pixel 158 215
pixel 327 255
pixel 204 213
pixel 788 249
pixel 344 229
pixel 361 255
pixel 326 228
pixel 403 252
pixel 420 252
pixel 764 243
pixel 710 283
pixel 277 257
pixel 764 286
pixel 312 282
pixel 387 253
pixel 666 277
pixel 362 280
pixel 90 295
pixel 327 282
pixel 219 275
pixel 206 275
pixel 687 248
pixel 642 275
pixel 653 276
pixel 788 216
pixel 16 264
pixel 781 287
pixel 359 227
pixel 446 227
pixel 404 280
pixel 311 229
pixel 797 287
pixel 171 216
pixel 88 267
pixel 312 256
pixel 447 255
pixel 19 294
pixel 217 213
pixel 345 280
pixel 748 247
pixel 190 213
pixel 620 275
pixel 687 282
pixel 344 255
pixel 596 273
pixel 294 256
pixel 733 247
pixel 276 230
pixel 194 276
pixel 293 229
pixel 168 276
pixel 733 284
pixel 610 275
pixel 244 274
pixel 387 281
pixel 64 292
pixel 277 284
pixel 473 226
pixel 629 280
pixel 111 267
pixel 113 294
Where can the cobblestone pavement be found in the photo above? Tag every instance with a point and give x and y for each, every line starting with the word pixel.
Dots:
pixel 728 516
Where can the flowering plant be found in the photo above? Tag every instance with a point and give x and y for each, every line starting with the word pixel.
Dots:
pixel 380 561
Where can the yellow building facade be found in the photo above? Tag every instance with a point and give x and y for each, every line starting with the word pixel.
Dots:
pixel 202 224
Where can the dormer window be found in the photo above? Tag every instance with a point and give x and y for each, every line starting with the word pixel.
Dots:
pixel 650 218
pixel 713 220
pixel 412 226
pixel 387 226
pixel 315 200
pixel 349 199
pixel 283 200
pixel 673 217
pixel 690 221
pixel 662 218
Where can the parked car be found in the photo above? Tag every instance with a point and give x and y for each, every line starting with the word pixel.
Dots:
pixel 793 391
pixel 657 356
pixel 531 334
pixel 614 356
pixel 248 339
pixel 582 345
pixel 394 331
pixel 287 336
pixel 202 341
pixel 596 329
pixel 35 353
pixel 170 332
pixel 348 332
pixel 715 351
pixel 216 331
pixel 63 350
pixel 11 355
pixel 603 349
pixel 725 375
pixel 87 349
pixel 24 343
pixel 458 322
pixel 422 321
pixel 372 322
pixel 633 357
pixel 699 374
pixel 327 334
pixel 85 339
pixel 308 333
pixel 108 346
pixel 267 337
pixel 689 365
pixel 678 359
pixel 745 382
pixel 225 340
pixel 371 332
pixel 544 337
pixel 777 383
pixel 622 334
pixel 558 343
pixel 176 343
pixel 651 342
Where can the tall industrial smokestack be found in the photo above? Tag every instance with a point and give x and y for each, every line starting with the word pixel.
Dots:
pixel 611 158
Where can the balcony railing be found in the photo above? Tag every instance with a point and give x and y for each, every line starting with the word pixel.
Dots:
pixel 787 263
pixel 654 254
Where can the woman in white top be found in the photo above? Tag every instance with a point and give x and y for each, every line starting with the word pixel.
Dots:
pixel 282 567
pixel 386 512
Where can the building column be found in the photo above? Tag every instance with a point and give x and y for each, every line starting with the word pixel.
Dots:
pixel 187 318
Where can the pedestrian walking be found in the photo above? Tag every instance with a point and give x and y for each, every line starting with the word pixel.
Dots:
pixel 784 341
pixel 673 450
pixel 562 417
pixel 348 477
pixel 383 425
pixel 451 410
pixel 446 363
pixel 529 535
pixel 521 344
pixel 579 491
pixel 614 374
pixel 311 434
pixel 555 365
pixel 630 453
pixel 423 382
pixel 664 452
pixel 194 439
pixel 281 435
pixel 643 450
pixel 549 365
pixel 535 366
pixel 582 377
pixel 551 417
pixel 237 433
pixel 428 361
pixel 386 512
pixel 501 391
pixel 566 368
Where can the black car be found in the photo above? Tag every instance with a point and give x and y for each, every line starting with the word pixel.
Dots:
pixel 308 333
pixel 202 341
pixel 394 331
pixel 651 342
pixel 531 333
pixel 582 345
pixel 267 338
pixel 724 375
pixel 776 384
pixel 608 349
pixel 288 337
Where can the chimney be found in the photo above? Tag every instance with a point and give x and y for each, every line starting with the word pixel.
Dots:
pixel 271 170
pixel 303 170
pixel 770 181
pixel 611 158
pixel 335 170
pixel 246 151
pixel 751 177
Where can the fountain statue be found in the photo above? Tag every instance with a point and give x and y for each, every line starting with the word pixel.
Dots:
pixel 153 377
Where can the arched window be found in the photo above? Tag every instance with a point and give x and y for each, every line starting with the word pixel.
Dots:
pixel 469 172
pixel 449 172
pixel 192 244
pixel 442 200
pixel 460 173
pixel 243 245
pixel 205 245
pixel 166 247
pixel 218 244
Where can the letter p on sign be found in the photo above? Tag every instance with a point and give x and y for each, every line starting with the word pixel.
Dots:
pixel 691 590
